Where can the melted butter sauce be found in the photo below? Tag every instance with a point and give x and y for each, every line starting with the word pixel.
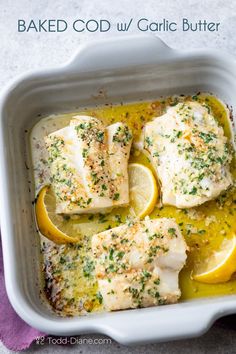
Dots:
pixel 68 270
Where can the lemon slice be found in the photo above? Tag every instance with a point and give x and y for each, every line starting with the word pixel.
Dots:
pixel 221 265
pixel 143 190
pixel 53 226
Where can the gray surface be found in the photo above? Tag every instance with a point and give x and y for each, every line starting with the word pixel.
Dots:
pixel 21 52
pixel 219 340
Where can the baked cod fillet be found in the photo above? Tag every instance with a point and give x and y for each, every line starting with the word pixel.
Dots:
pixel 190 154
pixel 138 265
pixel 88 164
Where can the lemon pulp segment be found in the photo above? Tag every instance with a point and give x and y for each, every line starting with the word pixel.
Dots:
pixel 48 222
pixel 143 190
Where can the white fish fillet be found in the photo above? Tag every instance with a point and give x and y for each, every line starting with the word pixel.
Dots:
pixel 190 154
pixel 138 265
pixel 89 165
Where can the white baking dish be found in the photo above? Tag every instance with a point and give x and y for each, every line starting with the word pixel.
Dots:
pixel 127 69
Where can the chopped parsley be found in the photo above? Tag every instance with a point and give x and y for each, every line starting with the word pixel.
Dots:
pixel 88 267
pixel 99 297
pixel 148 141
pixel 116 196
pixel 193 191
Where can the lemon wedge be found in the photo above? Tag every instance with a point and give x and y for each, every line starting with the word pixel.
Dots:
pixel 143 190
pixel 51 225
pixel 220 266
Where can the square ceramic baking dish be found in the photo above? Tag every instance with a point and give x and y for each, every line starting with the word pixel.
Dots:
pixel 122 69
